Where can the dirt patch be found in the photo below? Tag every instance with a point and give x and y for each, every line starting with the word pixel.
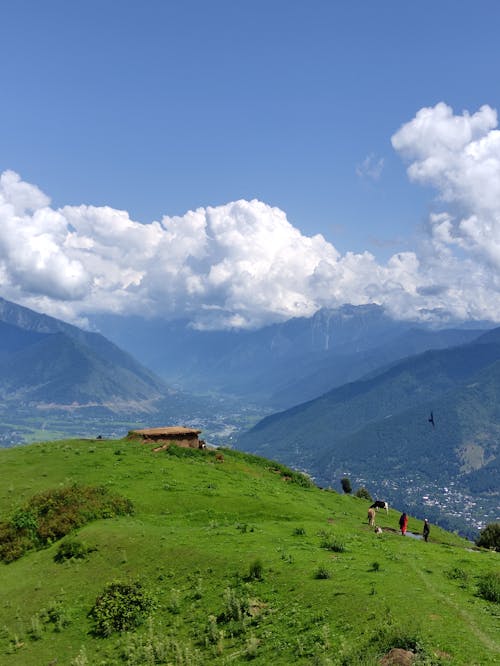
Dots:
pixel 398 657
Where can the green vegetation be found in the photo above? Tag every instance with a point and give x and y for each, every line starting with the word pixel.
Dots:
pixel 346 485
pixel 490 537
pixel 225 559
pixel 121 607
pixel 489 586
pixel 50 515
pixel 363 493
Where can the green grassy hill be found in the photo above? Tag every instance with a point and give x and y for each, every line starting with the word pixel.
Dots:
pixel 239 559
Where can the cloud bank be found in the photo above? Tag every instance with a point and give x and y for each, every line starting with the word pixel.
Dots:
pixel 244 264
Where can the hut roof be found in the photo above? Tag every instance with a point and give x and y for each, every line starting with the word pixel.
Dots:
pixel 170 431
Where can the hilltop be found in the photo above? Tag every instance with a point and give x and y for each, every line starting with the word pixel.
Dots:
pixel 237 558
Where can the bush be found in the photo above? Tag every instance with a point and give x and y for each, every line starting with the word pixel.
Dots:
pixel 121 607
pixel 53 514
pixel 24 519
pixel 56 615
pixel 236 606
pixel 490 537
pixel 71 549
pixel 363 493
pixel 489 586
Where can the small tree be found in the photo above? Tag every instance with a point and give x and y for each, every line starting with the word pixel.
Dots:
pixel 346 485
pixel 490 537
pixel 364 494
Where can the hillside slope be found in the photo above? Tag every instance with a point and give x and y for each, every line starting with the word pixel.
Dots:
pixel 245 561
pixel 378 428
pixel 44 360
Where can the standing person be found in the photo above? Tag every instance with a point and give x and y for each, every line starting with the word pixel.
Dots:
pixel 403 523
pixel 426 530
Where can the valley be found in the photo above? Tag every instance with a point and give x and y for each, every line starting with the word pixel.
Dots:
pixel 222 420
pixel 347 391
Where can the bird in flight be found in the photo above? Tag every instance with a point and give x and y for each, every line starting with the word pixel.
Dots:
pixel 431 420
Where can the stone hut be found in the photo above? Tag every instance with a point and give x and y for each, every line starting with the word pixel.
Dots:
pixel 163 437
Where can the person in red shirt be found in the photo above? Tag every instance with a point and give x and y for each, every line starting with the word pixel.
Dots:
pixel 403 523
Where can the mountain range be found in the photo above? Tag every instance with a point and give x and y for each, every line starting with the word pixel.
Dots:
pixel 377 429
pixel 282 364
pixel 45 360
pixel 351 390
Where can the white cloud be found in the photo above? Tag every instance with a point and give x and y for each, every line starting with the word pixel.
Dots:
pixel 460 157
pixel 244 264
pixel 371 167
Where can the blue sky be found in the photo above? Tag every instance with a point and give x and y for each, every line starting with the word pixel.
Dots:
pixel 158 108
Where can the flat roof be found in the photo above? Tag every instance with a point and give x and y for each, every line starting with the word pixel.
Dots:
pixel 170 430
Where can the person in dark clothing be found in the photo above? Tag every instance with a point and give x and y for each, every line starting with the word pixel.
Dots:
pixel 426 530
pixel 403 523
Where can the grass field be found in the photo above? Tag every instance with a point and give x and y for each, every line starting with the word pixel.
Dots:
pixel 243 563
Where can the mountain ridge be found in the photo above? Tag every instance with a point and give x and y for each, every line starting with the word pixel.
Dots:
pixel 379 426
pixel 281 364
pixel 43 359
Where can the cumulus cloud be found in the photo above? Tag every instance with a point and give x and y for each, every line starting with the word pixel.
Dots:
pixel 244 264
pixel 459 156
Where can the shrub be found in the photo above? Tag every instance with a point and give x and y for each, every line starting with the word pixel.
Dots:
pixel 236 606
pixel 56 615
pixel 71 549
pixel 52 514
pixel 121 607
pixel 490 537
pixel 24 519
pixel 299 531
pixel 489 586
pixel 364 494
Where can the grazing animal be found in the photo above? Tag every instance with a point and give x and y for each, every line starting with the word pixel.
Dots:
pixel 431 419
pixel 371 517
pixel 378 530
pixel 380 504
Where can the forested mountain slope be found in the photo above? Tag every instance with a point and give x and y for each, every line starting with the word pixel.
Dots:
pixel 378 427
